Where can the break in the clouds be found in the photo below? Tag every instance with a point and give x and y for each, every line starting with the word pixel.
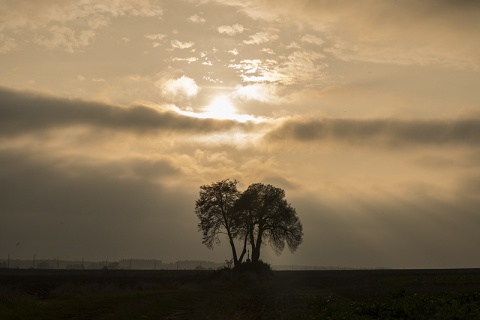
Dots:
pixel 113 113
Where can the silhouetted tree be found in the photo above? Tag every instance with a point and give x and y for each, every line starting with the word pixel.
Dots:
pixel 259 214
pixel 266 215
pixel 214 209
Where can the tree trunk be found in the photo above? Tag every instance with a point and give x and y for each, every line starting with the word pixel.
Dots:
pixel 256 254
pixel 256 247
pixel 234 251
pixel 240 260
pixel 252 243
pixel 230 238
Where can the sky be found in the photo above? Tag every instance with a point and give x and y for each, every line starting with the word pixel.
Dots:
pixel 367 113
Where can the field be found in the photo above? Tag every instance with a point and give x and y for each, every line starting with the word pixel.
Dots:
pixel 340 294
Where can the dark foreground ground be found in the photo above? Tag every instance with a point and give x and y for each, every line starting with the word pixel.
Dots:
pixel 375 294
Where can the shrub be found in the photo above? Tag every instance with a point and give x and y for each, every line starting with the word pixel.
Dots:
pixel 259 268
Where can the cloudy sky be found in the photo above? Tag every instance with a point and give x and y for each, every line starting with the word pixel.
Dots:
pixel 367 113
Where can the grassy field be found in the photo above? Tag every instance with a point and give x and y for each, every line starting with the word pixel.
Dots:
pixel 360 294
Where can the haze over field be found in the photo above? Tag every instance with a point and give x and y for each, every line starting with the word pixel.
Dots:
pixel 367 114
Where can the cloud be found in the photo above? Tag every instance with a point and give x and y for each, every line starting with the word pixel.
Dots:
pixel 68 25
pixel 233 51
pixel 188 59
pixel 66 38
pixel 387 132
pixel 231 30
pixel 262 92
pixel 7 43
pixel 38 14
pixel 157 36
pixel 261 37
pixel 79 209
pixel 298 68
pixel 312 39
pixel 268 50
pixel 293 45
pixel 393 232
pixel 425 32
pixel 302 67
pixel 181 45
pixel 178 89
pixel 118 208
pixel 196 19
pixel 257 70
pixel 24 113
pixel 158 39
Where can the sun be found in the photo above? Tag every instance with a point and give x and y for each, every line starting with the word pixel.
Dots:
pixel 221 108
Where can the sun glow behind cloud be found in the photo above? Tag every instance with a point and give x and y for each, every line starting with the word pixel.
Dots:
pixel 220 108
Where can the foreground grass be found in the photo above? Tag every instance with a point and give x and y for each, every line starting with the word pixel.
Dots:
pixel 114 306
pixel 381 294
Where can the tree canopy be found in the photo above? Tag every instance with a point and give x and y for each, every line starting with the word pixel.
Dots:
pixel 257 215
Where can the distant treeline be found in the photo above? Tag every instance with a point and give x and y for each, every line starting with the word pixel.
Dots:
pixel 124 264
pixel 145 264
pixel 306 268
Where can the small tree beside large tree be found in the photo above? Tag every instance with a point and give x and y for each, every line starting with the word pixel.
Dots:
pixel 260 214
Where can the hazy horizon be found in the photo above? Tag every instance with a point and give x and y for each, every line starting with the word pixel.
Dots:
pixel 367 114
pixel 150 264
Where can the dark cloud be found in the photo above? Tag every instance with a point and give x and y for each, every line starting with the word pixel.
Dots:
pixel 115 210
pixel 464 4
pixel 25 112
pixel 126 208
pixel 389 231
pixel 447 161
pixel 388 132
pixel 470 187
